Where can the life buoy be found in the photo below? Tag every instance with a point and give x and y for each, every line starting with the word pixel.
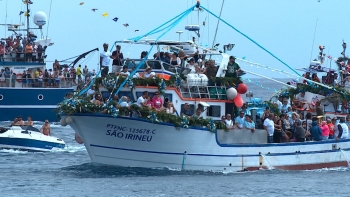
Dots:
pixel 19 78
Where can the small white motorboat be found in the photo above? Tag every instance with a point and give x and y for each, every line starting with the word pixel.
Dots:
pixel 28 138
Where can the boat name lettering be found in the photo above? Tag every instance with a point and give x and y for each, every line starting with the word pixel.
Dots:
pixel 129 136
pixel 17 68
pixel 131 130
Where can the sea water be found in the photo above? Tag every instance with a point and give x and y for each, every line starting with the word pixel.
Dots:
pixel 69 173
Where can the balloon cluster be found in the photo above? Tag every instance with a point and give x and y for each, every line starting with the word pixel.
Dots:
pixel 235 94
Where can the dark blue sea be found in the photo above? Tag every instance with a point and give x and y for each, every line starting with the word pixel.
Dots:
pixel 69 173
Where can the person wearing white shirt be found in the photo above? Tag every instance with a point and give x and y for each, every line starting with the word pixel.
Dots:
pixel 105 59
pixel 141 101
pixel 90 92
pixel 123 102
pixel 170 109
pixel 240 120
pixel 229 122
pixel 148 74
pixel 269 126
pixel 137 76
pixel 191 65
pixel 124 72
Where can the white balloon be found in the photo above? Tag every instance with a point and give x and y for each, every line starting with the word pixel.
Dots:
pixel 69 120
pixel 231 93
pixel 63 122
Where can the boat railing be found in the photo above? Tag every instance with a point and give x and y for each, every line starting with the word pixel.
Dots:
pixel 19 82
pixel 154 64
pixel 208 92
pixel 21 57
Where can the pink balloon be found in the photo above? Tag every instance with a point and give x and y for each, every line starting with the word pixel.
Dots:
pixel 242 88
pixel 238 101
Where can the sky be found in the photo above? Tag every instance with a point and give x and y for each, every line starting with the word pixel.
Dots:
pixel 284 27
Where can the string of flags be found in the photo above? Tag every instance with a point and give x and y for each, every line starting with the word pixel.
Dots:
pixel 104 14
pixel 259 84
pixel 247 63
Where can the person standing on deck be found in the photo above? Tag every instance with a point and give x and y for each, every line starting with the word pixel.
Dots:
pixel 269 126
pixel 79 74
pixel 232 68
pixel 343 130
pixel 45 129
pixel 105 58
pixel 117 57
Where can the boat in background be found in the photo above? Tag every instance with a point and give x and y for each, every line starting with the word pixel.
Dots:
pixel 28 138
pixel 20 95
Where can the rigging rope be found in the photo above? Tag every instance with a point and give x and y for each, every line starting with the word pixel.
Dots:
pixel 177 21
pixel 263 48
pixel 48 23
pixel 180 16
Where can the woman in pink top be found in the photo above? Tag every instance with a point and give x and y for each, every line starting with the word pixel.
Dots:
pixel 157 102
pixel 325 130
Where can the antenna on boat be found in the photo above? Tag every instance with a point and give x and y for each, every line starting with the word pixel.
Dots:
pixel 217 26
pixel 313 41
pixel 179 32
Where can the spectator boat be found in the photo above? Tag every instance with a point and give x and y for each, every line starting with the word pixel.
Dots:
pixel 18 75
pixel 28 138
pixel 139 137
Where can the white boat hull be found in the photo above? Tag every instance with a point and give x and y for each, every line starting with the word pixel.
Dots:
pixel 132 142
pixel 19 139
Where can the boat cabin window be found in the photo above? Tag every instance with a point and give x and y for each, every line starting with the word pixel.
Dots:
pixel 30 128
pixel 126 93
pixel 214 111
pixel 105 94
pixel 134 63
pixel 154 64
pixel 167 98
pixel 192 109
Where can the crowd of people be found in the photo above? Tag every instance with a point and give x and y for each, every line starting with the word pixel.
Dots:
pixel 45 129
pixel 291 126
pixel 18 49
pixel 196 63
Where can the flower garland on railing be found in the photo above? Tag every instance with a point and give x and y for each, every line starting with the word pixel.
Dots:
pixel 78 105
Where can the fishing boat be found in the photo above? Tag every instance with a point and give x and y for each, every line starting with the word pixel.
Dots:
pixel 19 71
pixel 28 138
pixel 140 137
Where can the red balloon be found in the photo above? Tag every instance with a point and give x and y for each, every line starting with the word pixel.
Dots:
pixel 242 88
pixel 238 101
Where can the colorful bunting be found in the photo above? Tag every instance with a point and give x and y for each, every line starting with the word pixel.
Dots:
pixel 81 3
pixel 126 25
pixel 115 19
pixel 105 14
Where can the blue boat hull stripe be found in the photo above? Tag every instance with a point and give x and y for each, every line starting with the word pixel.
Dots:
pixel 212 155
pixel 30 143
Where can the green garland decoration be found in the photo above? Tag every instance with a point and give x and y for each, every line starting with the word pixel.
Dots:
pixel 273 108
pixel 81 105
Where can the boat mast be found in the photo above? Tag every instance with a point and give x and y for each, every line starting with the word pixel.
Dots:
pixel 28 20
pixel 217 26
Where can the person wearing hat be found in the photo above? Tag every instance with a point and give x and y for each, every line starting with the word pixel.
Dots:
pixel 232 68
pixel 105 58
pixel 191 65
pixel 148 74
